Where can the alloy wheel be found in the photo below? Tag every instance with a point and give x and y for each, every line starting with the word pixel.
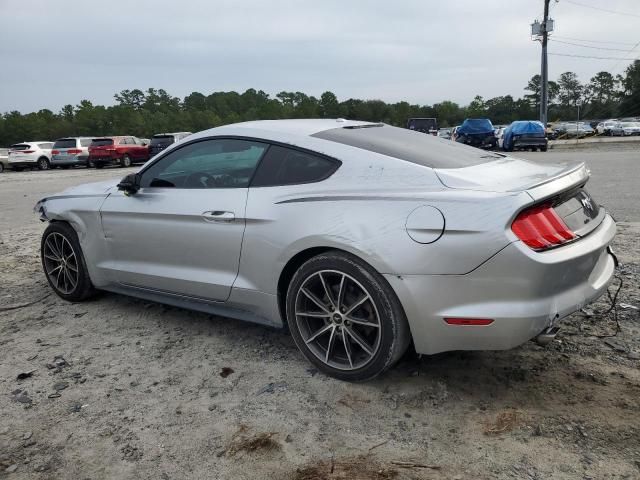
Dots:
pixel 61 263
pixel 43 164
pixel 338 320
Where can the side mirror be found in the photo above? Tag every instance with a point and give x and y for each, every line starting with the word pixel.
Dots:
pixel 130 184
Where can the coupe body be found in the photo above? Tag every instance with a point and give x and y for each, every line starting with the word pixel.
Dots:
pixel 360 237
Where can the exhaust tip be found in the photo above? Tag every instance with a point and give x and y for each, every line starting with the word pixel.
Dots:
pixel 547 336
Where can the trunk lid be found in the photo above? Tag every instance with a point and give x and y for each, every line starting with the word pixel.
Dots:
pixel 510 174
pixel 559 185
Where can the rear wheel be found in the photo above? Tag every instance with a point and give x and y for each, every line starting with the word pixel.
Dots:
pixel 1 167
pixel 125 161
pixel 99 165
pixel 64 264
pixel 345 318
pixel 89 163
pixel 43 163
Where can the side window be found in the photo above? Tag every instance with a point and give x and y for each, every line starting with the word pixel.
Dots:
pixel 85 142
pixel 215 163
pixel 286 166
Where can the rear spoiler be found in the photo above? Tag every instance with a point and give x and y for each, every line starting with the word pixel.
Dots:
pixel 563 181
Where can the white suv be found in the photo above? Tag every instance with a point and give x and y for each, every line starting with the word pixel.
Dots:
pixel 30 155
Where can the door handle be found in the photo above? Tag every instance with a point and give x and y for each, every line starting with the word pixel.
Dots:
pixel 218 216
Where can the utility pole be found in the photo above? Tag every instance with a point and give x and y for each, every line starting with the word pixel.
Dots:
pixel 544 74
pixel 540 31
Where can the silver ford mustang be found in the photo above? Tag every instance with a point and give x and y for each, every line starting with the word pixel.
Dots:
pixel 359 237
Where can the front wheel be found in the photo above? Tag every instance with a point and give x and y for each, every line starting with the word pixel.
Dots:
pixel 64 264
pixel 125 161
pixel 345 318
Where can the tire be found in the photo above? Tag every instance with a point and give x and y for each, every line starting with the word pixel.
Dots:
pixel 99 165
pixel 1 167
pixel 60 240
pixel 378 321
pixel 43 163
pixel 125 161
pixel 543 149
pixel 16 169
pixel 89 164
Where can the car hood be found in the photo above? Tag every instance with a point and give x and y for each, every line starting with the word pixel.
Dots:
pixel 94 188
pixel 507 174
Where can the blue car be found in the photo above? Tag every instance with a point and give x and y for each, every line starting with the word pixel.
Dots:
pixel 477 132
pixel 523 135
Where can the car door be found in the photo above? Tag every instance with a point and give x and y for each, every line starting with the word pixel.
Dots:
pixel 182 231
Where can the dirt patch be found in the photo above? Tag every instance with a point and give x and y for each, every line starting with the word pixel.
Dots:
pixel 504 422
pixel 245 442
pixel 356 468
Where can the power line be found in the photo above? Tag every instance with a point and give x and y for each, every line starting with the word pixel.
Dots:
pixel 592 41
pixel 591 46
pixel 589 56
pixel 602 9
pixel 631 50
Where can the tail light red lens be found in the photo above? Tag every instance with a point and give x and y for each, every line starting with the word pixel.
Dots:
pixel 74 151
pixel 478 322
pixel 26 151
pixel 55 152
pixel 541 228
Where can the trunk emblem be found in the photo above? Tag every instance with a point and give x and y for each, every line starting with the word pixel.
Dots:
pixel 586 203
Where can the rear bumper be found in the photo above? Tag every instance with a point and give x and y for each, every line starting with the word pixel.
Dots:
pixel 523 291
pixel 69 160
pixel 530 142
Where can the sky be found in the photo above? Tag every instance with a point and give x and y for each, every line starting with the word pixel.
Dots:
pixel 57 52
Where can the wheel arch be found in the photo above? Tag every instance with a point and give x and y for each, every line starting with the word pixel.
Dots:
pixel 297 260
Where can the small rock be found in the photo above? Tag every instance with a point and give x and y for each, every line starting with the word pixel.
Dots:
pixel 226 371
pixel 23 375
pixel 23 398
pixel 633 356
pixel 27 435
pixel 59 386
pixel 11 468
pixel 212 407
pixel 312 371
pixel 537 431
pixel 54 395
pixel 288 439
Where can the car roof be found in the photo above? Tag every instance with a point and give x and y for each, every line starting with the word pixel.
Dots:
pixel 306 127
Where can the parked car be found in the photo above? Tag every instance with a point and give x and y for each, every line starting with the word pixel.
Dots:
pixel 630 128
pixel 30 155
pixel 604 128
pixel 573 129
pixel 161 141
pixel 477 132
pixel 412 239
pixel 4 159
pixel 445 133
pixel 525 135
pixel 500 136
pixel 424 125
pixel 121 150
pixel 71 151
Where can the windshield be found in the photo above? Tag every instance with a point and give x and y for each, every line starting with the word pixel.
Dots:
pixel 101 142
pixel 20 146
pixel 408 145
pixel 65 143
pixel 162 140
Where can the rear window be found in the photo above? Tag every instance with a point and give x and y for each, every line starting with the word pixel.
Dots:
pixel 101 142
pixel 85 142
pixel 286 166
pixel 408 145
pixel 65 143
pixel 46 146
pixel 162 140
pixel 20 146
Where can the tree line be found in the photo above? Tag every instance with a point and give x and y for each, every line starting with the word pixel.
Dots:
pixel 144 113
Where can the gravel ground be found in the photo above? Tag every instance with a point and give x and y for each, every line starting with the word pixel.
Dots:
pixel 121 388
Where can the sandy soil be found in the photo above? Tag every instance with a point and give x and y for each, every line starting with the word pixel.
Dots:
pixel 120 388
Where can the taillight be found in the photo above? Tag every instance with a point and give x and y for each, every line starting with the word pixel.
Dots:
pixel 541 228
pixel 27 151
pixel 55 152
pixel 74 151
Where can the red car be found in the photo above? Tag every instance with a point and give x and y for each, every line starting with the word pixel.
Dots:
pixel 122 151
